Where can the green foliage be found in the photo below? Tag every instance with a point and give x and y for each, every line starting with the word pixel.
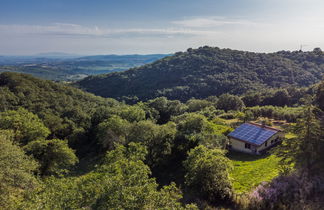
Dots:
pixel 162 109
pixel 211 112
pixel 289 96
pixel 246 115
pixel 305 150
pixel 290 114
pixel 320 96
pixel 112 131
pixel 65 111
pixel 159 140
pixel 132 113
pixel 16 174
pixel 195 105
pixel 194 129
pixel 130 172
pixel 214 141
pixel 26 126
pixel 229 102
pixel 208 71
pixel 192 123
pixel 121 182
pixel 54 156
pixel 207 175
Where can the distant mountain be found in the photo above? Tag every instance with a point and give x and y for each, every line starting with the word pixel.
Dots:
pixel 123 57
pixel 60 66
pixel 209 71
pixel 56 55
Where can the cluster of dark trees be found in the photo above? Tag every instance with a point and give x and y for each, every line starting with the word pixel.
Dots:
pixel 208 71
pixel 290 96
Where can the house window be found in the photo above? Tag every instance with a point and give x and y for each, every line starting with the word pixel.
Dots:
pixel 247 146
pixel 266 143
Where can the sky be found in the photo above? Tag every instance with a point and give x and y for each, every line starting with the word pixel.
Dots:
pixel 89 27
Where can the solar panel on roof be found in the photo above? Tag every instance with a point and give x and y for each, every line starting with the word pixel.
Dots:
pixel 252 133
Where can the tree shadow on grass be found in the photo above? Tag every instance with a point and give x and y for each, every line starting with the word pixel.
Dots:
pixel 240 156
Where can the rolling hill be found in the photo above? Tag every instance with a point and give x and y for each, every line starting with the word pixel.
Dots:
pixel 65 67
pixel 209 71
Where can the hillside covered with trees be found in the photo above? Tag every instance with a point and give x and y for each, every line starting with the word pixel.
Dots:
pixel 207 71
pixel 62 148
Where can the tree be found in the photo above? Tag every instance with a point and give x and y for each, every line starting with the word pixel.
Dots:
pixel 100 114
pixel 16 174
pixel 194 129
pixel 320 96
pixel 197 105
pixel 318 51
pixel 207 174
pixel 120 181
pixel 251 99
pixel 26 125
pixel 166 108
pixel 159 140
pixel 305 150
pixel 281 98
pixel 127 183
pixel 132 113
pixel 112 131
pixel 244 116
pixel 191 129
pixel 54 156
pixel 229 102
pixel 142 132
pixel 160 147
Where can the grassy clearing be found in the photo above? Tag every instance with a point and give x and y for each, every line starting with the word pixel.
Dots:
pixel 290 135
pixel 231 121
pixel 251 170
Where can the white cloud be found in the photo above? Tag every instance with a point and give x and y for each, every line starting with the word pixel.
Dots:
pixel 61 29
pixel 237 33
pixel 209 22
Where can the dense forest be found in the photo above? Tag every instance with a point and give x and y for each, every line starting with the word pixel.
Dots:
pixel 208 71
pixel 63 148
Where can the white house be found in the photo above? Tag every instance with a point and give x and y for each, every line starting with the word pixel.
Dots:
pixel 253 138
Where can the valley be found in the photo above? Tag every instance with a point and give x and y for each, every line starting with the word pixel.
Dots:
pixel 77 149
pixel 72 67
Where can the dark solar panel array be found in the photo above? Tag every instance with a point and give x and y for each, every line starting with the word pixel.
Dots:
pixel 252 133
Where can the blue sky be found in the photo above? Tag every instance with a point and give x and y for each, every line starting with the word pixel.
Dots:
pixel 158 26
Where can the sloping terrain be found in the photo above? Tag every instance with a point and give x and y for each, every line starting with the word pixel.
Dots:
pixel 209 71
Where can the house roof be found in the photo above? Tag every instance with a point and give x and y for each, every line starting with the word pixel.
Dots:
pixel 253 133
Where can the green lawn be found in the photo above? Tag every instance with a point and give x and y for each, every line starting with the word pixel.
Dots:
pixel 290 135
pixel 251 170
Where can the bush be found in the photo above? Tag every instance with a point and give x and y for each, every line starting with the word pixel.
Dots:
pixel 286 192
pixel 207 175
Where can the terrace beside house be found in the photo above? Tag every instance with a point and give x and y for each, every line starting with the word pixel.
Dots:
pixel 254 138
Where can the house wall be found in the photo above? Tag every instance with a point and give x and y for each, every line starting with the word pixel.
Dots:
pixel 240 146
pixel 263 147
